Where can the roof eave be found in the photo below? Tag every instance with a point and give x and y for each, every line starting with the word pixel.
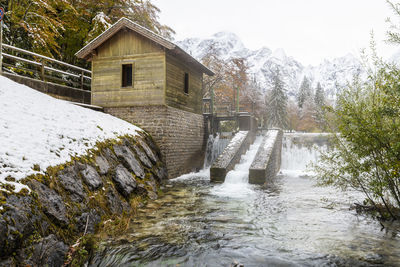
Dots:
pixel 120 24
pixel 86 51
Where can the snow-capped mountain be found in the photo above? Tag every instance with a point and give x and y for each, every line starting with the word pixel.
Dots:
pixel 332 74
pixel 335 74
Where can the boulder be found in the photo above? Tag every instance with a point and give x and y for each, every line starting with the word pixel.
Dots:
pixel 109 155
pixel 79 166
pixel 52 204
pixel 148 151
pixel 152 184
pixel 124 181
pixel 3 235
pixel 16 223
pixel 49 252
pixel 115 203
pixel 91 178
pixel 103 164
pixel 126 155
pixel 71 182
pixel 142 156
pixel 161 173
pixel 92 218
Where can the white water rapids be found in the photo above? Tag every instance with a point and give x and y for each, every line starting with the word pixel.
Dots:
pixel 288 222
pixel 236 181
pixel 299 152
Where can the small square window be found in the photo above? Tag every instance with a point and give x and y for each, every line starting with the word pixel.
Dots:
pixel 186 83
pixel 126 75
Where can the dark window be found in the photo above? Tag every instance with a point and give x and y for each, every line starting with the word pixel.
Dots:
pixel 126 75
pixel 186 85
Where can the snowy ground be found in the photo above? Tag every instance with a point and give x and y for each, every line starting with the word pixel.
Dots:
pixel 38 129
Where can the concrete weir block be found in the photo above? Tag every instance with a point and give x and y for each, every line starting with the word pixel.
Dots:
pixel 231 155
pixel 267 161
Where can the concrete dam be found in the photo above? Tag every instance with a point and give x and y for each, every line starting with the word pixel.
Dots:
pixel 265 163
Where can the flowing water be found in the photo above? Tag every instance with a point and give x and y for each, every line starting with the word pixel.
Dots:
pixel 215 146
pixel 288 223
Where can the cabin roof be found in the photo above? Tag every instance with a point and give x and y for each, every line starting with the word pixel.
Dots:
pixel 87 50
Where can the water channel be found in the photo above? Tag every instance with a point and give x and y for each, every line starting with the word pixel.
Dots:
pixel 290 222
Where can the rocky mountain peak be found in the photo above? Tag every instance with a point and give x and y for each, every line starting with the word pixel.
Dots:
pixel 332 74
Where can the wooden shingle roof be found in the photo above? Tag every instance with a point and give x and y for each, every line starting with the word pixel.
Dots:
pixel 122 23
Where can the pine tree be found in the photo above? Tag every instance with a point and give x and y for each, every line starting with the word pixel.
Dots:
pixel 319 101
pixel 277 103
pixel 304 93
pixel 319 97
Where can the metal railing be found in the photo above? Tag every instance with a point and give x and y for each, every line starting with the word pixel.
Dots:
pixel 25 63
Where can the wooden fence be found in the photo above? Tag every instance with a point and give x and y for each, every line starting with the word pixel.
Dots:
pixel 25 63
pixel 225 109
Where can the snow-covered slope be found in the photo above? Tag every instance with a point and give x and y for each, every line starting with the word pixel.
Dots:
pixel 38 129
pixel 332 74
pixel 335 74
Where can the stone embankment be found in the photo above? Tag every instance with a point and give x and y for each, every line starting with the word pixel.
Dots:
pixel 83 197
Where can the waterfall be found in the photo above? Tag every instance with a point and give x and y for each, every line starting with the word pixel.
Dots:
pixel 299 150
pixel 215 146
pixel 236 183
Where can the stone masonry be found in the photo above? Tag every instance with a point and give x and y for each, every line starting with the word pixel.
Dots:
pixel 179 134
pixel 231 155
pixel 267 161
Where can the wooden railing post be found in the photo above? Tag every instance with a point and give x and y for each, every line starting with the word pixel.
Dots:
pixel 74 74
pixel 237 99
pixel 212 100
pixel 1 47
pixel 42 69
pixel 82 79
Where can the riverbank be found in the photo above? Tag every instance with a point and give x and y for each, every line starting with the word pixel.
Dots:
pixel 67 175
pixel 94 194
pixel 290 222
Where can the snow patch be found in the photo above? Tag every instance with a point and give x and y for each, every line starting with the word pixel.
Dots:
pixel 102 19
pixel 37 129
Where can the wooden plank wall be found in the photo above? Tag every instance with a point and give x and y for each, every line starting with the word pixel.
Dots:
pixel 127 42
pixel 148 60
pixel 175 95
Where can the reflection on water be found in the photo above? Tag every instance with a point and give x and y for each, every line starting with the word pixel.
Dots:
pixel 289 223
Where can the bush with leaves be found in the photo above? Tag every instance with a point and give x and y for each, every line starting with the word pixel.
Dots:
pixel 366 149
pixel 59 28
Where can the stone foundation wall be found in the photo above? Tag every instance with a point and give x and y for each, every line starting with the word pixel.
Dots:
pixel 179 134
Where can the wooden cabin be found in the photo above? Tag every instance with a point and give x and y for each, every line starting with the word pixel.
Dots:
pixel 147 80
pixel 132 66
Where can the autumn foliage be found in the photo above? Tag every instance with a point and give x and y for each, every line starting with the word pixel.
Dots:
pixel 59 28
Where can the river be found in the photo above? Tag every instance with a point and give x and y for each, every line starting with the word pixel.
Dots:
pixel 290 222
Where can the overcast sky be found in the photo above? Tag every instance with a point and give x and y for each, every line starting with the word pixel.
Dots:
pixel 308 30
